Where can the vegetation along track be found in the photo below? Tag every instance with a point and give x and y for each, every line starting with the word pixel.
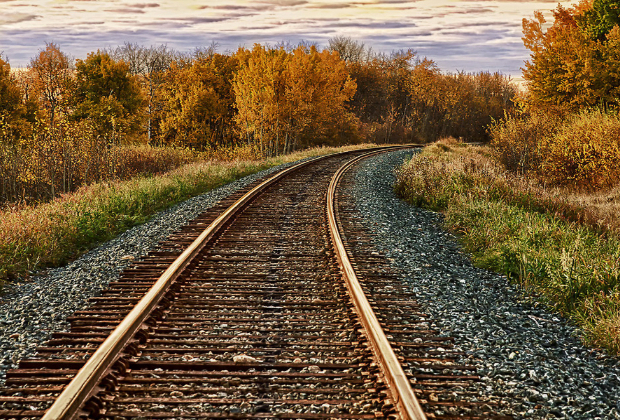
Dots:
pixel 244 314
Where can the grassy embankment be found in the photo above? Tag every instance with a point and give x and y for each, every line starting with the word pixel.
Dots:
pixel 50 234
pixel 560 245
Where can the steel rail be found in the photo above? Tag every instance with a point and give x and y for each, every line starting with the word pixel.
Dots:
pixel 405 400
pixel 86 382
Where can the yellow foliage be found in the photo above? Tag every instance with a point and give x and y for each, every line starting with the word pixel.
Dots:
pixel 584 153
pixel 568 66
pixel 62 157
pixel 579 151
pixel 515 141
pixel 287 100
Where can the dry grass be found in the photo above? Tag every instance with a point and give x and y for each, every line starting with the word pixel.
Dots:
pixel 601 209
pixel 564 248
pixel 50 234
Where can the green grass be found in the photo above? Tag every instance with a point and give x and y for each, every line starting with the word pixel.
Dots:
pixel 51 234
pixel 538 243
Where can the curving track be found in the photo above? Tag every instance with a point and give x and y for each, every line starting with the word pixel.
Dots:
pixel 253 320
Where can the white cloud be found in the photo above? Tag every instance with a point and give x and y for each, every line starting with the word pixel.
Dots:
pixel 9 18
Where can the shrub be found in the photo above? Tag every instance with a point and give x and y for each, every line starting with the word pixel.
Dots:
pixel 578 151
pixel 143 160
pixel 65 156
pixel 584 152
pixel 515 140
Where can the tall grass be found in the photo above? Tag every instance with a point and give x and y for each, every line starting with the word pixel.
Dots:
pixel 543 239
pixel 52 233
pixel 66 156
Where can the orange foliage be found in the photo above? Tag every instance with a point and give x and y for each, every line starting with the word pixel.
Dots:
pixel 583 154
pixel 402 98
pixel 569 66
pixel 51 78
pixel 287 100
pixel 198 102
pixel 574 67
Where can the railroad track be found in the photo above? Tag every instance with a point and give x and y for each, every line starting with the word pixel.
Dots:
pixel 253 310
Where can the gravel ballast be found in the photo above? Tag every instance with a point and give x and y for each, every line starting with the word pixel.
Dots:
pixel 31 311
pixel 529 357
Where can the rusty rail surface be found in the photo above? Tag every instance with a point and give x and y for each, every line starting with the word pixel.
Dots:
pixel 403 395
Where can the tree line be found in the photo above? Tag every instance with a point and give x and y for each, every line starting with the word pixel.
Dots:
pixel 66 123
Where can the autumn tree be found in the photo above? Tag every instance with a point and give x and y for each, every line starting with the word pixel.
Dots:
pixel 10 130
pixel 427 111
pixel 148 65
pixel 107 93
pixel 381 100
pixel 574 62
pixel 599 18
pixel 317 89
pixel 473 101
pixel 16 113
pixel 198 102
pixel 370 99
pixel 15 124
pixel 396 70
pixel 10 96
pixel 457 105
pixel 259 88
pixel 290 100
pixel 11 107
pixel 51 76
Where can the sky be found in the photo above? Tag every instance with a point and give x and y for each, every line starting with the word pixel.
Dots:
pixel 459 35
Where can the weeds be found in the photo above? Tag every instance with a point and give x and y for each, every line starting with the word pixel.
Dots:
pixel 50 234
pixel 542 239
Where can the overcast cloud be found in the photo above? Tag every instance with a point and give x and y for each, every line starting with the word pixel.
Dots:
pixel 457 34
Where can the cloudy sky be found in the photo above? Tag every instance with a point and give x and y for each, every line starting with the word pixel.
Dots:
pixel 458 34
